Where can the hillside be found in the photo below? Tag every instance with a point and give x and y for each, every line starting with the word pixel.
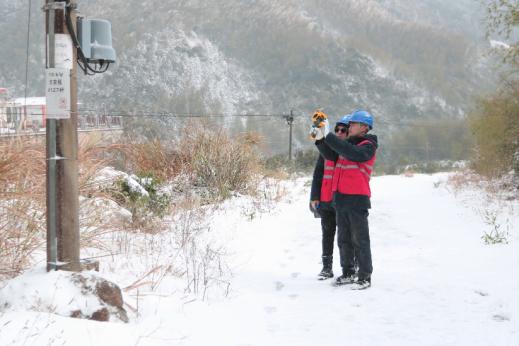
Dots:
pixel 402 61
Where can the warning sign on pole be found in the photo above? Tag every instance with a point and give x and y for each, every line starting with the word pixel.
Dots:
pixel 63 51
pixel 57 91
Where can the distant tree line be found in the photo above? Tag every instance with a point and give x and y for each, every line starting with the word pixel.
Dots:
pixel 495 121
pixel 426 145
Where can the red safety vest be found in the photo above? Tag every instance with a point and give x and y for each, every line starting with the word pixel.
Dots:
pixel 352 178
pixel 327 184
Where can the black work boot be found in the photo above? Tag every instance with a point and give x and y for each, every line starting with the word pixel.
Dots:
pixel 326 272
pixel 345 279
pixel 362 283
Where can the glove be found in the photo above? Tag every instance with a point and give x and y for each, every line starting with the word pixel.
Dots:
pixel 318 133
pixel 320 127
pixel 314 208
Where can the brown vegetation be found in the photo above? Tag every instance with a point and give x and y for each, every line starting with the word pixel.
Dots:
pixel 198 161
pixel 22 200
pixel 495 125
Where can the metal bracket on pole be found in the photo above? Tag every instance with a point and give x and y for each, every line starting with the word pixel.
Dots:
pixel 56 158
pixel 57 5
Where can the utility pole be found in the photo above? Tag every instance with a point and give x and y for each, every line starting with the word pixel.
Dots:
pixel 68 191
pixel 290 121
pixel 50 135
pixel 427 150
pixel 62 169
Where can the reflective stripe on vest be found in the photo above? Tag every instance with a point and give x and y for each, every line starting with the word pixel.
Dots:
pixel 327 183
pixel 352 178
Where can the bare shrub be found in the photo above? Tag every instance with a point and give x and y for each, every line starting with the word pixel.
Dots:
pixel 159 158
pixel 204 263
pixel 497 205
pixel 495 188
pixel 211 160
pixel 497 233
pixel 23 201
pixel 267 192
pixel 205 267
pixel 185 250
pixel 178 243
pixel 96 208
pixel 463 179
pixel 221 162
pixel 495 127
pixel 22 221
pixel 21 234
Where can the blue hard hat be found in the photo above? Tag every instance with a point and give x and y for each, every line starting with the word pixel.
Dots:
pixel 345 120
pixel 362 117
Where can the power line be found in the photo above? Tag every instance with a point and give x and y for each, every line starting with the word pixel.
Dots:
pixel 169 115
pixel 27 51
pixel 182 114
pixel 229 115
pixel 173 114
pixel 163 115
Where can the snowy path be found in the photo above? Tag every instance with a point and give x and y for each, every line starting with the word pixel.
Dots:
pixel 434 283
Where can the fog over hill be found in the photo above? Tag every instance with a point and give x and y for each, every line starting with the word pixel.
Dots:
pixel 401 59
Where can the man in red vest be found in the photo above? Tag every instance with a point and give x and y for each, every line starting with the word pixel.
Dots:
pixel 321 197
pixel 354 160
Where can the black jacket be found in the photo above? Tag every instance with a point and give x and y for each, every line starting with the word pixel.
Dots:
pixel 315 192
pixel 317 181
pixel 331 147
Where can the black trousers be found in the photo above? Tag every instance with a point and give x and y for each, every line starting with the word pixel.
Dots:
pixel 328 226
pixel 353 239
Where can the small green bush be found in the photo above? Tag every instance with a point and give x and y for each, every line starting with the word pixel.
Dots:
pixel 142 205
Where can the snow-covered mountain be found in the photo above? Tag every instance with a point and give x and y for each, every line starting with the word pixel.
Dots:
pixel 401 59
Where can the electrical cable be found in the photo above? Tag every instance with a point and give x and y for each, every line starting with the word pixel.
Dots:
pixel 27 52
pixel 163 115
pixel 83 112
pixel 81 59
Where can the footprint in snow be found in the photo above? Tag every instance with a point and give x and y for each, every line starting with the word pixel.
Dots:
pixel 293 296
pixel 500 318
pixel 279 285
pixel 481 293
pixel 295 275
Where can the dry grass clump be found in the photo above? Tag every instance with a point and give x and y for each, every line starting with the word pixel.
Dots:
pixel 495 187
pixel 158 158
pixel 218 161
pixel 498 205
pixel 22 201
pixel 209 159
pixel 93 155
pixel 22 168
pixel 201 161
pixel 23 198
pixel 463 179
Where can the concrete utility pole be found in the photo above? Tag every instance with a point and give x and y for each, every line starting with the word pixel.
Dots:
pixel 62 167
pixel 290 121
pixel 52 254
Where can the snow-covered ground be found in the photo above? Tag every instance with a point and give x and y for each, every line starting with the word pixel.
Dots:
pixel 434 282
